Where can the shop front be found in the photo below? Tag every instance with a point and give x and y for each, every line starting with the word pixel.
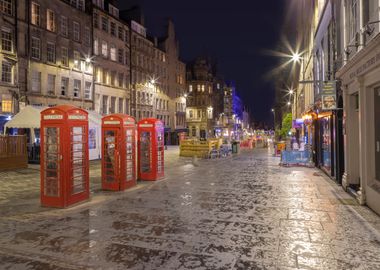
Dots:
pixel 361 80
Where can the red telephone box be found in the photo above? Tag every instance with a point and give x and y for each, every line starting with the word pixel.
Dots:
pixel 151 149
pixel 118 148
pixel 64 156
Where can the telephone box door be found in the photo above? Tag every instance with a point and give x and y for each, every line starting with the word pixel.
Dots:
pixel 111 160
pixel 145 152
pixel 51 160
pixel 129 159
pixel 78 189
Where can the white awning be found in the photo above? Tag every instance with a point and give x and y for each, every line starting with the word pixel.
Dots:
pixel 29 117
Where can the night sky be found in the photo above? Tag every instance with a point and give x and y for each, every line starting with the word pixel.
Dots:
pixel 236 33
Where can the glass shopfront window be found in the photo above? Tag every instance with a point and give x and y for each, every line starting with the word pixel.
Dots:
pixel 326 143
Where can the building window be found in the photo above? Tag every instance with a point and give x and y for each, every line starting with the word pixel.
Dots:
pixel 50 20
pixel 6 6
pixel 79 4
pixel 105 105
pixel 198 87
pixel 6 72
pixel 104 49
pixel 203 87
pixel 121 101
pixel 6 105
pixel 190 88
pixel 113 29
pixel 96 20
pixel 51 85
pixel 121 56
pixel 77 85
pixel 76 60
pixel 113 52
pixel 64 26
pixel 120 33
pixel 36 49
pixel 96 46
pixel 50 49
pixel 191 114
pixel 6 40
pixel 87 36
pixel 76 31
pixel 113 78
pixel 121 79
pixel 35 14
pixel 65 56
pixel 36 82
pixel 104 24
pixel 64 86
pixel 87 90
pixel 113 105
pixel 353 19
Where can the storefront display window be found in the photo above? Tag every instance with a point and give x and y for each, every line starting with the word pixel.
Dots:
pixel 326 143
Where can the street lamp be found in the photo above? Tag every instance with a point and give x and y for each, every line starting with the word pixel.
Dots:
pixel 296 57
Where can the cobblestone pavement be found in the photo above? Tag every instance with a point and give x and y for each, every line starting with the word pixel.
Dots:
pixel 243 212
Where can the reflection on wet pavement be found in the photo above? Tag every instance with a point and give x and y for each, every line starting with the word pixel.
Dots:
pixel 244 212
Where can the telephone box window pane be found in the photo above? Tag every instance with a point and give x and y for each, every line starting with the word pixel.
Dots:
pixel 78 159
pixel 51 151
pixel 109 154
pixel 146 154
pixel 160 148
pixel 129 153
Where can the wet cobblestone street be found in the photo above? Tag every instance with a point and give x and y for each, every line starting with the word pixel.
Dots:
pixel 243 212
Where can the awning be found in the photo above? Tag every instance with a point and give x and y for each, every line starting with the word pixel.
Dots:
pixel 29 117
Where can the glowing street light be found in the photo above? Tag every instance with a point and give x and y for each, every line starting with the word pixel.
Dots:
pixel 296 57
pixel 289 103
pixel 185 95
pixel 291 91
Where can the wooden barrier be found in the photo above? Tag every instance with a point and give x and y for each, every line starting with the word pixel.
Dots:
pixel 13 152
pixel 201 149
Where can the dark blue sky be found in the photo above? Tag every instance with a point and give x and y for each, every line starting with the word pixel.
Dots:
pixel 235 32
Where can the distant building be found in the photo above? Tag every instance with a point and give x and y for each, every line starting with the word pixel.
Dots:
pixel 200 102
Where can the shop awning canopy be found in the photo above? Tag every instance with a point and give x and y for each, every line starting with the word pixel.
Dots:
pixel 29 117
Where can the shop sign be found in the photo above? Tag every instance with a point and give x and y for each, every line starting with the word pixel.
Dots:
pixel 329 95
pixel 297 123
pixel 367 65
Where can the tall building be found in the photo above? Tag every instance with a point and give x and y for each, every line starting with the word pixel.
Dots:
pixel 200 103
pixel 176 84
pixel 54 53
pixel 9 90
pixel 111 59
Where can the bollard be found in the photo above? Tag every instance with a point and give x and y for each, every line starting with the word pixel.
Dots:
pixel 195 161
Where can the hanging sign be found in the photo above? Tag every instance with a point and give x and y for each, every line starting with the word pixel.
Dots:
pixel 329 96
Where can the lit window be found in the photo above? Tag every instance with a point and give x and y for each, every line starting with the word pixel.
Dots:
pixel 113 53
pixel 203 87
pixel 76 59
pixel 6 72
pixel 190 88
pixel 65 56
pixel 35 14
pixel 96 46
pixel 121 101
pixel 104 49
pixel 6 40
pixel 50 20
pixel 198 87
pixel 77 84
pixel 6 106
pixel 36 48
pixel 76 31
pixel 64 26
pixel 6 6
pixel 50 48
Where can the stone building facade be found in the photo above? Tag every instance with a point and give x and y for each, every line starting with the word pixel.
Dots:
pixel 200 103
pixel 54 53
pixel 8 61
pixel 111 58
